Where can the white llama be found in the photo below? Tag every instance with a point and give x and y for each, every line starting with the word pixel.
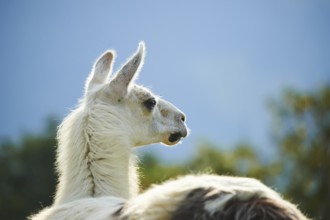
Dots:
pixel 96 140
pixel 98 178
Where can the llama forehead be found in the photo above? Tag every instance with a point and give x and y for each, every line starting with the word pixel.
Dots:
pixel 141 93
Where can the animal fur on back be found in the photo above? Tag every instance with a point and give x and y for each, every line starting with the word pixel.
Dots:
pixel 193 197
pixel 210 197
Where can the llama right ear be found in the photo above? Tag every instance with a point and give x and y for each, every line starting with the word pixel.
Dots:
pixel 126 75
pixel 101 70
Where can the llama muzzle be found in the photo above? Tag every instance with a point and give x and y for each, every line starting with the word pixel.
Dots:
pixel 174 137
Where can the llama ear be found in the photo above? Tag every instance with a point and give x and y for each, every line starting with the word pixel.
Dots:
pixel 101 70
pixel 128 72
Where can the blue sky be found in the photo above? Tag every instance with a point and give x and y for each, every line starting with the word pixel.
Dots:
pixel 218 61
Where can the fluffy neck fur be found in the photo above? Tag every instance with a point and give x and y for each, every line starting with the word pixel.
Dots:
pixel 93 157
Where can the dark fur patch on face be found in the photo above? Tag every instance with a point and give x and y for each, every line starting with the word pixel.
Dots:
pixel 253 209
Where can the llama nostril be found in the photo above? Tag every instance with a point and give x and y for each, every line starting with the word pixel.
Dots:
pixel 183 118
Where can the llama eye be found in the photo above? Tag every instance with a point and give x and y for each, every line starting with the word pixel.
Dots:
pixel 150 103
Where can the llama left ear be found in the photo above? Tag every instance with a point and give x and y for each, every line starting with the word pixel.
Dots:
pixel 101 70
pixel 126 75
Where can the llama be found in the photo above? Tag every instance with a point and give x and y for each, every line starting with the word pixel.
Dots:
pixel 96 140
pixel 98 177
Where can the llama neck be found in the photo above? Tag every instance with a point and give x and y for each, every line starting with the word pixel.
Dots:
pixel 91 166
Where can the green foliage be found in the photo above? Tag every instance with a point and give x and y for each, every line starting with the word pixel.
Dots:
pixel 27 174
pixel 302 132
pixel 240 161
pixel 300 170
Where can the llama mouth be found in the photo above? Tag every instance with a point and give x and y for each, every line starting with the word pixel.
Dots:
pixel 175 137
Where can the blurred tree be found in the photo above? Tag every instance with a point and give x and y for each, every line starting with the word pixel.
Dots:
pixel 302 132
pixel 242 160
pixel 27 174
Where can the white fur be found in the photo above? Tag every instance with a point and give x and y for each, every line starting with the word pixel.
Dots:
pixel 100 208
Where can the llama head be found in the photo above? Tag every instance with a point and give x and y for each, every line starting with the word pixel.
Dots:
pixel 118 107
